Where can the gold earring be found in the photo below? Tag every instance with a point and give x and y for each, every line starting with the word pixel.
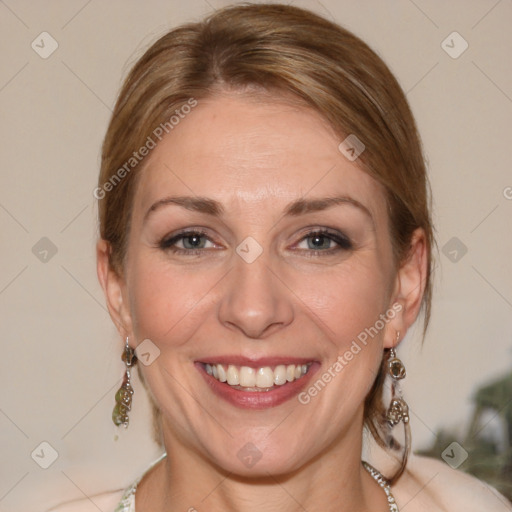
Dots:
pixel 125 392
pixel 398 410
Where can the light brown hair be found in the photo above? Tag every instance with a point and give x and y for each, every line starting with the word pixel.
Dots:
pixel 282 50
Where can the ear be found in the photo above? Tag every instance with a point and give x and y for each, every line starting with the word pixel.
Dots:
pixel 409 289
pixel 114 288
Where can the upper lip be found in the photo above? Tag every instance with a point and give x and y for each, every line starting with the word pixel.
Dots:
pixel 259 362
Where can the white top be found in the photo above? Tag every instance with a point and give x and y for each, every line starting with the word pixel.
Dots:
pixel 427 485
pixel 127 502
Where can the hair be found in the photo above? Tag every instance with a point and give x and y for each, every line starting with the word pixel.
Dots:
pixel 285 52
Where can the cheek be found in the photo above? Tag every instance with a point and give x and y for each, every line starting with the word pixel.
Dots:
pixel 166 301
pixel 347 300
pixel 348 305
pixel 167 307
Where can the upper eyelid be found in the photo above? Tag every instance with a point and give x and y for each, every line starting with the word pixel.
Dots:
pixel 184 234
pixel 346 242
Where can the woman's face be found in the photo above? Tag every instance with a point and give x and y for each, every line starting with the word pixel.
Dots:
pixel 256 244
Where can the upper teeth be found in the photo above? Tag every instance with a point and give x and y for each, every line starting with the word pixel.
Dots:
pixel 264 377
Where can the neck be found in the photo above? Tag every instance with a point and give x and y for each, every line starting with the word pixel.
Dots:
pixel 334 480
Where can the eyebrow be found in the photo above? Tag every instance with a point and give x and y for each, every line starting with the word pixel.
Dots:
pixel 294 209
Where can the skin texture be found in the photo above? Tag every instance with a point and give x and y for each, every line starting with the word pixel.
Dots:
pixel 255 157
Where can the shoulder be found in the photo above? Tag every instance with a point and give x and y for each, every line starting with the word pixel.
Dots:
pixel 106 502
pixel 433 485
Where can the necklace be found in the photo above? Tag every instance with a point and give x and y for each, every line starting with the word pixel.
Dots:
pixel 377 476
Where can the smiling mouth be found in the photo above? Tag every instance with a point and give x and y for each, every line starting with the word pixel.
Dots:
pixel 265 378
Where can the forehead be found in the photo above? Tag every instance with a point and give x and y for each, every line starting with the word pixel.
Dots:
pixel 240 149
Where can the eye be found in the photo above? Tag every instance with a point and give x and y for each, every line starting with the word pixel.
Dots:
pixel 193 242
pixel 322 240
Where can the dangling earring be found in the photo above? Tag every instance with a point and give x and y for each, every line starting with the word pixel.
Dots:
pixel 398 410
pixel 125 392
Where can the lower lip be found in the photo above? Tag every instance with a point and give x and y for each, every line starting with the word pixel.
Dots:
pixel 258 399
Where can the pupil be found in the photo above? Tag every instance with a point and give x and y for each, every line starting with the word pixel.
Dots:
pixel 194 240
pixel 317 240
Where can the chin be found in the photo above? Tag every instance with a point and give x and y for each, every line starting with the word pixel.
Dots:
pixel 259 469
pixel 258 459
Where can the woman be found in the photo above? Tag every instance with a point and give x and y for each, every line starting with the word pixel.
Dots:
pixel 265 246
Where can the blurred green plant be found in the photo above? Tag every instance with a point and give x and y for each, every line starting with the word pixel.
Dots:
pixel 488 437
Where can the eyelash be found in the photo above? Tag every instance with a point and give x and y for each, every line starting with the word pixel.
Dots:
pixel 344 244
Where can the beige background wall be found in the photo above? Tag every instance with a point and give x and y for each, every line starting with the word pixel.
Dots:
pixel 60 360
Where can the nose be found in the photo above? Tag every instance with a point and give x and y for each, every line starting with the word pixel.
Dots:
pixel 255 300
